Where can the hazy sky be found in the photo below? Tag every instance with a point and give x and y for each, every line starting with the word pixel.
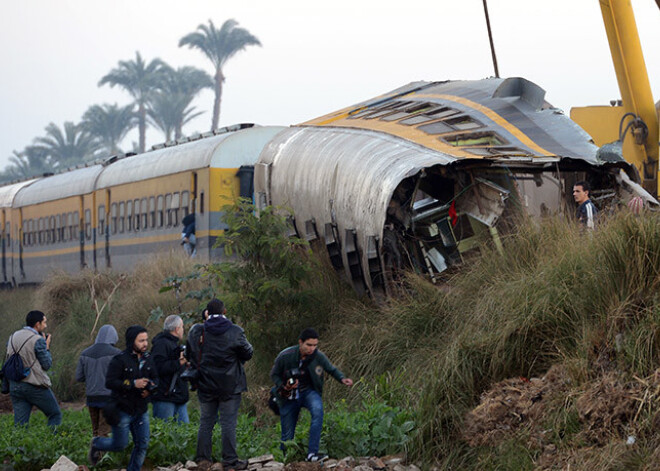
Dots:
pixel 317 56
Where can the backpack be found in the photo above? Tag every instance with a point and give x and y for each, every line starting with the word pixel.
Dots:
pixel 13 369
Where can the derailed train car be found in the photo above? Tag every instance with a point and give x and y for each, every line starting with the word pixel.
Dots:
pixel 419 176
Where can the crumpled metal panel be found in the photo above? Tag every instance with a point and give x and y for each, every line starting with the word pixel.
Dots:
pixel 229 150
pixel 7 193
pixel 341 176
pixel 76 182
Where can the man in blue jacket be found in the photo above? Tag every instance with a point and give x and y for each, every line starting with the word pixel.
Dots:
pixel 92 368
pixel 298 376
pixel 131 376
pixel 586 211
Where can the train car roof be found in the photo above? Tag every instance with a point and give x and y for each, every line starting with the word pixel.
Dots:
pixel 63 185
pixel 356 170
pixel 471 119
pixel 229 150
pixel 8 192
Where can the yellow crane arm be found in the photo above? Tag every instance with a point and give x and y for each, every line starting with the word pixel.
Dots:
pixel 634 85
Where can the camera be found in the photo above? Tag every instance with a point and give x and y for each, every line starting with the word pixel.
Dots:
pixel 292 375
pixel 182 349
pixel 151 386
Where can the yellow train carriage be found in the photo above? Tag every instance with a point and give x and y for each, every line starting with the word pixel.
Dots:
pixel 113 214
pixel 10 231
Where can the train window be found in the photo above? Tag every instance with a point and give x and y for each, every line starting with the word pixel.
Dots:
pixel 67 220
pixel 113 218
pixel 75 229
pixel 101 213
pixel 441 113
pixel 168 203
pixel 88 224
pixel 174 211
pixel 152 212
pixel 136 215
pixel 122 213
pixel 159 210
pixel 436 128
pixel 464 123
pixel 185 204
pixel 52 229
pixel 41 231
pixel 475 139
pixel 8 229
pixel 201 202
pixel 129 216
pixel 58 226
pixel 419 119
pixel 25 233
pixel 143 213
pixel 62 226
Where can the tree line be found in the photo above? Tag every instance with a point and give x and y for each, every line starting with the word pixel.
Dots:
pixel 162 98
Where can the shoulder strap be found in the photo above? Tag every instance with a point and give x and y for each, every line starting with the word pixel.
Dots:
pixel 11 340
pixel 17 352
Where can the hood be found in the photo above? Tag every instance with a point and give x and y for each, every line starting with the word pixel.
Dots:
pixel 217 324
pixel 107 334
pixel 131 333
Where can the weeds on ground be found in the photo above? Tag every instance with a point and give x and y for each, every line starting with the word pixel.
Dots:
pixel 38 447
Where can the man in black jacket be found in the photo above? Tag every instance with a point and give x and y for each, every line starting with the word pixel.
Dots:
pixel 170 397
pixel 218 349
pixel 131 376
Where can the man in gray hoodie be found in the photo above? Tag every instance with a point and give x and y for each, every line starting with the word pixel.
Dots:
pixel 92 368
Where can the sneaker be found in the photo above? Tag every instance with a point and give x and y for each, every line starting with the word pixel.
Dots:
pixel 316 457
pixel 94 454
pixel 240 465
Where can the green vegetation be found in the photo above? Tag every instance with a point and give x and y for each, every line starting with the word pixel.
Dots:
pixel 577 313
pixel 37 447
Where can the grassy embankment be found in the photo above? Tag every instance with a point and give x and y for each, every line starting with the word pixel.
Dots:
pixel 585 304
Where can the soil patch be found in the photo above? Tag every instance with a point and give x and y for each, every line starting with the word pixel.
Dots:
pixel 512 404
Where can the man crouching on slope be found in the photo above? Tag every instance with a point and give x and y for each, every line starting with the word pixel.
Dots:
pixel 131 376
pixel 298 376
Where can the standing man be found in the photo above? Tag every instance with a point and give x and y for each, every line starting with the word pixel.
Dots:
pixel 171 396
pixel 33 346
pixel 92 368
pixel 221 348
pixel 298 376
pixel 130 377
pixel 586 211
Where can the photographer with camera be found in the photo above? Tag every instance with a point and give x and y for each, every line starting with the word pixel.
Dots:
pixel 170 398
pixel 131 378
pixel 298 377
pixel 32 387
pixel 217 350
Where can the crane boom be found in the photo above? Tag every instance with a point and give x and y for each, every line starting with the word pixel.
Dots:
pixel 635 88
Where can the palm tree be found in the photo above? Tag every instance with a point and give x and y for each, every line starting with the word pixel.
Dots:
pixel 169 109
pixel 66 147
pixel 140 80
pixel 219 46
pixel 109 124
pixel 30 162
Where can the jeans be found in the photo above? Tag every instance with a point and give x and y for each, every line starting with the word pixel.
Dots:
pixel 167 410
pixel 310 400
pixel 139 427
pixel 25 395
pixel 228 417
